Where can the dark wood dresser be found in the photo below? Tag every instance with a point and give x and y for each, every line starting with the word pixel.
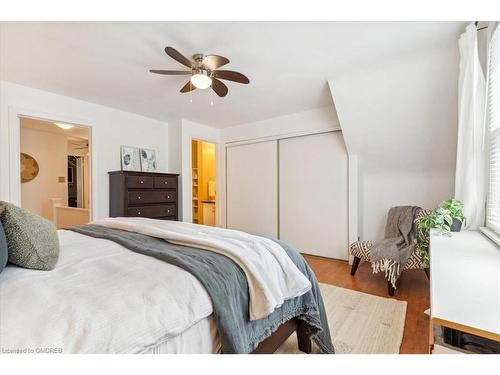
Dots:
pixel 144 194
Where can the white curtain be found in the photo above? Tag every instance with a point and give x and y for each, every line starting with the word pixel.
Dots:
pixel 471 170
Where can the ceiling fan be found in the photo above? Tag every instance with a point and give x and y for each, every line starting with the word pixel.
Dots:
pixel 203 71
pixel 80 145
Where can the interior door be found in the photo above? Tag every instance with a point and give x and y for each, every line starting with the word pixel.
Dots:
pixel 313 194
pixel 252 188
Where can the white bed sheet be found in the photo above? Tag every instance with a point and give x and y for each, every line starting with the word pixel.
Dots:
pixel 271 275
pixel 201 338
pixel 103 298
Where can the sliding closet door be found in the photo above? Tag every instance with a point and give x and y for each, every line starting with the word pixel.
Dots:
pixel 252 188
pixel 313 194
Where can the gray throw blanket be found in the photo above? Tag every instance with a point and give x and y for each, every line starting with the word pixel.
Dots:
pixel 227 286
pixel 391 254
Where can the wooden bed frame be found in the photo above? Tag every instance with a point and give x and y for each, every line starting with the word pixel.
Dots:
pixel 273 342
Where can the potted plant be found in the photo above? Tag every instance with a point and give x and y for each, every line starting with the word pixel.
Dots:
pixel 453 208
pixel 424 225
pixel 448 217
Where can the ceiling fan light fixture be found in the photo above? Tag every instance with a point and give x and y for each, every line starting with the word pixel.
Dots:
pixel 201 81
pixel 204 72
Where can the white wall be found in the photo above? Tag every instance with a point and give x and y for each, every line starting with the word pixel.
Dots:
pixel 320 119
pixel 382 189
pixel 50 152
pixel 399 118
pixel 175 146
pixel 110 129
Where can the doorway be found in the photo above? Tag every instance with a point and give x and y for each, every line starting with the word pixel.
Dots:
pixel 203 182
pixel 55 171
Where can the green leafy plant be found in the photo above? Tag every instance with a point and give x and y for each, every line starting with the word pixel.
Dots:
pixel 455 209
pixel 440 219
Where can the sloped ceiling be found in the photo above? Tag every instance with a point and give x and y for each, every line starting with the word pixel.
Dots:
pixel 288 63
pixel 401 113
pixel 399 116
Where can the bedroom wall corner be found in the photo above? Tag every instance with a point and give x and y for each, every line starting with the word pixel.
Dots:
pixel 110 129
pixel 404 139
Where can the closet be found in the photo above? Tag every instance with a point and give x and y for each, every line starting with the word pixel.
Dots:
pixel 293 189
pixel 252 188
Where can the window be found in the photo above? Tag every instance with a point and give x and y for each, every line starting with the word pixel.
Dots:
pixel 493 123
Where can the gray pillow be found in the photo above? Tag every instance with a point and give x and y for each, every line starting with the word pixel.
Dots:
pixel 32 240
pixel 3 249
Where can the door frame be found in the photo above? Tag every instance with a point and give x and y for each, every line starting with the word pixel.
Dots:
pixel 187 178
pixel 216 161
pixel 14 127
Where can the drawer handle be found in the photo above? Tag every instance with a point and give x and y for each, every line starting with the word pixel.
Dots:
pixel 139 197
pixel 166 182
pixel 168 211
pixel 168 196
pixel 142 182
pixel 139 212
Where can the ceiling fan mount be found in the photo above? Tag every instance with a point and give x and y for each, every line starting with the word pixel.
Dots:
pixel 198 57
pixel 204 72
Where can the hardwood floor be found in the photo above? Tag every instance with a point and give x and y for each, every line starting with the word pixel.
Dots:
pixel 413 287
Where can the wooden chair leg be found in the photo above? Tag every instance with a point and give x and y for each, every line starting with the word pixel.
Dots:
pixel 390 289
pixel 427 273
pixel 303 340
pixel 355 264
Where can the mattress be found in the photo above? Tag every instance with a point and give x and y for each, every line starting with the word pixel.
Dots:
pixel 103 298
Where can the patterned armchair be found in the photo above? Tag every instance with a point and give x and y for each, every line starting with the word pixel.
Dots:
pixel 360 250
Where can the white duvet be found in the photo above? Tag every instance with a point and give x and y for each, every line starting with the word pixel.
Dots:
pixel 272 276
pixel 100 298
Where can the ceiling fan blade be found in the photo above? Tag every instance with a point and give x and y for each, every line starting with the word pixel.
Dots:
pixel 219 88
pixel 213 62
pixel 176 55
pixel 230 76
pixel 188 87
pixel 171 72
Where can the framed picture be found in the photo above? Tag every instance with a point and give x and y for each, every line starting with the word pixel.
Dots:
pixel 130 159
pixel 148 160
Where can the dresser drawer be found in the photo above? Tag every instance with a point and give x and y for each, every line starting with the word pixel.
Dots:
pixel 164 182
pixel 135 182
pixel 145 196
pixel 152 211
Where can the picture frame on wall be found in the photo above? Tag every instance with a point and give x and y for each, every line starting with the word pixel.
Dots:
pixel 130 158
pixel 148 160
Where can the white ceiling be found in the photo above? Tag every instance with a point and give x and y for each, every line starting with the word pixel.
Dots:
pixel 288 63
pixel 76 133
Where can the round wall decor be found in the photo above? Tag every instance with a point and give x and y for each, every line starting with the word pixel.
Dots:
pixel 29 168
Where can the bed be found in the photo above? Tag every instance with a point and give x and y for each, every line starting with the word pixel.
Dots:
pixel 104 298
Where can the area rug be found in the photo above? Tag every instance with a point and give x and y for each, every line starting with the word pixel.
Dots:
pixel 360 323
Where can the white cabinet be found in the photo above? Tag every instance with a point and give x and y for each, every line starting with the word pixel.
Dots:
pixel 208 213
pixel 465 283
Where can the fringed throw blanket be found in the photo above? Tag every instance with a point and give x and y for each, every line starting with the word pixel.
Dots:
pixel 391 254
